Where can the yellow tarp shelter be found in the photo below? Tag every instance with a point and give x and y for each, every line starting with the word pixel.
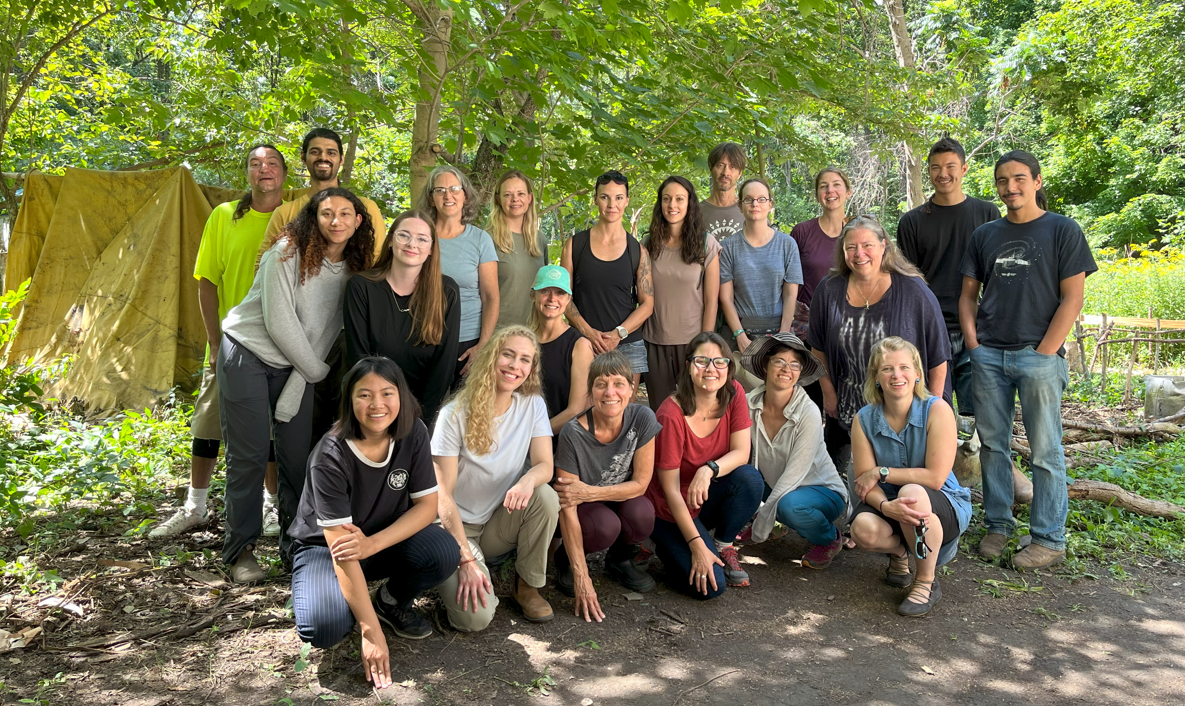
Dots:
pixel 111 255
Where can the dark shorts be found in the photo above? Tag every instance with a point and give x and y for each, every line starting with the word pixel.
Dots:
pixel 939 505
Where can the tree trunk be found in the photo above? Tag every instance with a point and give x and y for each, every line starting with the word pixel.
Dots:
pixel 903 47
pixel 437 26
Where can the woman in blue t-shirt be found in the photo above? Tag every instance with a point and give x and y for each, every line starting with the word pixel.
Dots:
pixel 903 447
pixel 366 514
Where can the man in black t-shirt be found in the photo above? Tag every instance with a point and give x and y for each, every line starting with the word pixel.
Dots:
pixel 934 237
pixel 1032 266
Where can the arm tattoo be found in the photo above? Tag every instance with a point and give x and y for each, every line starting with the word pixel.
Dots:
pixel 645 285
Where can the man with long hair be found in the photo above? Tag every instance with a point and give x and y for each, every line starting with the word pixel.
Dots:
pixel 224 270
pixel 1032 267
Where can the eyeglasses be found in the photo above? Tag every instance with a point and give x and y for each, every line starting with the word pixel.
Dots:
pixel 403 238
pixel 920 548
pixel 442 190
pixel 779 364
pixel 760 201
pixel 703 361
pixel 613 177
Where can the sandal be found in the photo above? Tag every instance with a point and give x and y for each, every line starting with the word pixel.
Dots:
pixel 898 573
pixel 912 609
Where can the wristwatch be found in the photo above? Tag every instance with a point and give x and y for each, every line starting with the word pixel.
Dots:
pixel 884 473
pixel 623 332
pixel 715 469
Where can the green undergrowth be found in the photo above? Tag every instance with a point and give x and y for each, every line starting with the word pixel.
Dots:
pixel 1102 539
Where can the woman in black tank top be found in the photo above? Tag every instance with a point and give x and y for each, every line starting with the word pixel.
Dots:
pixel 567 354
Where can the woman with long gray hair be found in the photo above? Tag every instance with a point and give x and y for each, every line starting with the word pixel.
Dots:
pixel 872 293
pixel 467 255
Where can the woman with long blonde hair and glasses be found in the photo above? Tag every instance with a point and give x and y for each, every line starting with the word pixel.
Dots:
pixel 406 310
pixel 493 500
pixel 521 245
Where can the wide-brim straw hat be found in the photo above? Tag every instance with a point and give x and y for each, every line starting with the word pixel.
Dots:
pixel 812 367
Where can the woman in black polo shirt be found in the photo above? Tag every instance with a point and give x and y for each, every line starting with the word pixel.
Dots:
pixel 366 514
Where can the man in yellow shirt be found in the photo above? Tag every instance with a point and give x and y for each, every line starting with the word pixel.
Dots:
pixel 225 269
pixel 321 152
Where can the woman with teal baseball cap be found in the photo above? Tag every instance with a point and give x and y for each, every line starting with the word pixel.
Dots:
pixel 567 354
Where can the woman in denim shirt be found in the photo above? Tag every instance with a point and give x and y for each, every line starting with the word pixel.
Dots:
pixel 903 447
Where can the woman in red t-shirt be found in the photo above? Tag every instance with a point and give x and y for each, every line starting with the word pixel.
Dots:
pixel 703 480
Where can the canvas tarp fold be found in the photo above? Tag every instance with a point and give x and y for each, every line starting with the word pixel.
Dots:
pixel 111 255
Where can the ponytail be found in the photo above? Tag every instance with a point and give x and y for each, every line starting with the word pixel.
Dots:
pixel 245 201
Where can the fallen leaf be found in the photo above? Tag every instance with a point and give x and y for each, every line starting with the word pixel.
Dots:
pixel 124 564
pixel 206 578
pixel 59 602
pixel 586 702
pixel 927 670
pixel 632 596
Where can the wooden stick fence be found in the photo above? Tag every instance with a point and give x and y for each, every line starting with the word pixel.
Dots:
pixel 1108 332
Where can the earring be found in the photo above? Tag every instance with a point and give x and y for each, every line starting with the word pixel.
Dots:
pixel 918 381
pixel 878 384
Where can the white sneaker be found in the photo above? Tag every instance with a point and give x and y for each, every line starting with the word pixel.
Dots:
pixel 182 521
pixel 271 521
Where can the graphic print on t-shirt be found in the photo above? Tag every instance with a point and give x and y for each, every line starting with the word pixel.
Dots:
pixel 721 228
pixel 857 336
pixel 621 466
pixel 1014 259
pixel 397 479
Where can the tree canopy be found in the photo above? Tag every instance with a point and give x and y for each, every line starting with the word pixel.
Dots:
pixel 564 89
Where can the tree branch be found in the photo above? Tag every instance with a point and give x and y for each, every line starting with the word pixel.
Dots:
pixel 166 160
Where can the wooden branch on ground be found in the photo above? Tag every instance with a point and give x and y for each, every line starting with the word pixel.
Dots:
pixel 1155 429
pixel 1112 494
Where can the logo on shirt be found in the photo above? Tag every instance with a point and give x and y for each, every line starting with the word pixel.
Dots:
pixel 397 479
pixel 1013 259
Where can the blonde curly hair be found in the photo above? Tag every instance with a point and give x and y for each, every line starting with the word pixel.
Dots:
pixel 475 399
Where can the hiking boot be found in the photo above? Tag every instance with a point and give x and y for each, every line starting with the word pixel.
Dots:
pixel 246 569
pixel 534 607
pixel 819 556
pixel 404 622
pixel 271 520
pixel 630 576
pixel 1036 556
pixel 565 580
pixel 898 574
pixel 992 546
pixel 932 590
pixel 734 575
pixel 181 521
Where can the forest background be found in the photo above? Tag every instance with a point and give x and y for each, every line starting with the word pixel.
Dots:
pixel 567 89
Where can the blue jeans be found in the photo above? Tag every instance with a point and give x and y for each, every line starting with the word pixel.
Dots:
pixel 413 566
pixel 960 367
pixel 1039 380
pixel 810 511
pixel 732 501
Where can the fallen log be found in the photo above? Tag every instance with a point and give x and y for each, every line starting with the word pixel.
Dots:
pixel 1112 494
pixel 1156 429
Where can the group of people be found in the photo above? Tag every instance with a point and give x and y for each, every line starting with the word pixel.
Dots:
pixel 487 400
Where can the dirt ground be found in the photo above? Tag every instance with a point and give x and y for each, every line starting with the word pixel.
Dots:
pixel 153 634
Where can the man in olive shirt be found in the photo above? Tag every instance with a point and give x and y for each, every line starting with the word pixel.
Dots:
pixel 321 152
pixel 722 210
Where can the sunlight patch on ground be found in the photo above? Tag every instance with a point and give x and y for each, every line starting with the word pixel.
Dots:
pixel 539 652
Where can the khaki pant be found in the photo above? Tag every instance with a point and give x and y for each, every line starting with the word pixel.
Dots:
pixel 204 424
pixel 529 529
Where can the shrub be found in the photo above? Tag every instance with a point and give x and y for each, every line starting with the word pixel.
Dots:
pixel 1134 284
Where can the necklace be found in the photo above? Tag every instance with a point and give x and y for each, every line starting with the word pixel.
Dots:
pixel 875 287
pixel 396 298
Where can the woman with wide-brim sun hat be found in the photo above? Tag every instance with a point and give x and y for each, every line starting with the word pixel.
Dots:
pixel 802 488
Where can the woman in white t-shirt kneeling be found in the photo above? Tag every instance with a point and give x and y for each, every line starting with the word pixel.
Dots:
pixel 366 514
pixel 492 499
